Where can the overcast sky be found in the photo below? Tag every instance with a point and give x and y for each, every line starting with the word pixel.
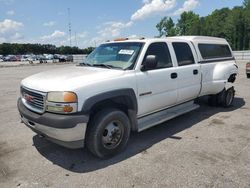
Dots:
pixel 92 21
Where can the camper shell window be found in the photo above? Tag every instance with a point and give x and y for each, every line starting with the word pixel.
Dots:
pixel 212 51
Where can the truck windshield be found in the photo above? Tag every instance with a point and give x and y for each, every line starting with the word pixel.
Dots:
pixel 115 55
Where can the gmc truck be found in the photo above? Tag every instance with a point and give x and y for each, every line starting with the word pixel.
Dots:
pixel 126 85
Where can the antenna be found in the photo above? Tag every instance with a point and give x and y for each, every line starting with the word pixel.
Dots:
pixel 69 27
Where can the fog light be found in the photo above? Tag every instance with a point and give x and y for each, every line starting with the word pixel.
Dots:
pixel 55 109
pixel 61 108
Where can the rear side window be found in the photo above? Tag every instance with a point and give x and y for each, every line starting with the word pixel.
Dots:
pixel 211 51
pixel 183 53
pixel 160 50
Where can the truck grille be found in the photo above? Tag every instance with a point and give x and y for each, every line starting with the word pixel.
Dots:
pixel 33 100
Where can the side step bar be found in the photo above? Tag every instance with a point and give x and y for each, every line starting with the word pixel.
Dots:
pixel 164 115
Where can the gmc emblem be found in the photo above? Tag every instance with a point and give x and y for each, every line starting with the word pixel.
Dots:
pixel 27 97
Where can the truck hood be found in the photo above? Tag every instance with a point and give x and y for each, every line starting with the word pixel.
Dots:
pixel 69 78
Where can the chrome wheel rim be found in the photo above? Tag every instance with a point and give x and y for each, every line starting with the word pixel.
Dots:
pixel 112 134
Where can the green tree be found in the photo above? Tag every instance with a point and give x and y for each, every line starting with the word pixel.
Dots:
pixel 246 3
pixel 246 40
pixel 88 50
pixel 189 24
pixel 234 28
pixel 216 22
pixel 18 49
pixel 166 27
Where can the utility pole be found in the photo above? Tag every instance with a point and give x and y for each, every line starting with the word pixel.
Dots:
pixel 69 27
pixel 76 39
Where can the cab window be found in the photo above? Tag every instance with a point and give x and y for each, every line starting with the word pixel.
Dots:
pixel 183 53
pixel 161 51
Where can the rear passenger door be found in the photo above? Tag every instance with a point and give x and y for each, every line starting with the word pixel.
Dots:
pixel 188 72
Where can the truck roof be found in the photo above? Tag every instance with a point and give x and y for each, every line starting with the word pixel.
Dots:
pixel 197 39
pixel 200 38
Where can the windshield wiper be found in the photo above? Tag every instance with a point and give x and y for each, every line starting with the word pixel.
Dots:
pixel 106 66
pixel 84 64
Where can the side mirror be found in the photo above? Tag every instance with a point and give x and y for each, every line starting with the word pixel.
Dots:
pixel 150 63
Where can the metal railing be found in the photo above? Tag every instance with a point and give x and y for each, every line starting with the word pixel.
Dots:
pixel 242 55
pixel 79 58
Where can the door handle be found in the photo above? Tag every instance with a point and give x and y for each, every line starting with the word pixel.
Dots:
pixel 174 75
pixel 195 71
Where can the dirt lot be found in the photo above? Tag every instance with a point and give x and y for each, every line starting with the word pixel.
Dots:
pixel 209 147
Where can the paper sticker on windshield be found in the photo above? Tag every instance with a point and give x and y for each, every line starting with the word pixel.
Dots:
pixel 126 52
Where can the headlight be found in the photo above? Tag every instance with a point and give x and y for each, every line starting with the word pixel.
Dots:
pixel 61 102
pixel 58 96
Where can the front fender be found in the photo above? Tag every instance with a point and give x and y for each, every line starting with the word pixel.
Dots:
pixel 128 93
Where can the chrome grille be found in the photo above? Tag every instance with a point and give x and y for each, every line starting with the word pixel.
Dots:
pixel 33 100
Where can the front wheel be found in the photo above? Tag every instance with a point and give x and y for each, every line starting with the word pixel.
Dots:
pixel 108 133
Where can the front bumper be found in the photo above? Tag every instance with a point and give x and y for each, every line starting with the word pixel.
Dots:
pixel 66 130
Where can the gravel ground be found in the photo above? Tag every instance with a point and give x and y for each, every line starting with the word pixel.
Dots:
pixel 209 147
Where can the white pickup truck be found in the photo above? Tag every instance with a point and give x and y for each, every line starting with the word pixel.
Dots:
pixel 126 85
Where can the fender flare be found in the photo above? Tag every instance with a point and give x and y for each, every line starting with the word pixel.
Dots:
pixel 128 93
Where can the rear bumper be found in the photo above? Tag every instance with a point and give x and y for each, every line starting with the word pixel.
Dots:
pixel 248 71
pixel 66 130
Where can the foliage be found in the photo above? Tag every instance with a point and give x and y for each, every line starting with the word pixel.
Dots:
pixel 188 24
pixel 18 49
pixel 231 24
pixel 166 27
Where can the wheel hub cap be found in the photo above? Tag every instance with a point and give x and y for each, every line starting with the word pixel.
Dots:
pixel 112 135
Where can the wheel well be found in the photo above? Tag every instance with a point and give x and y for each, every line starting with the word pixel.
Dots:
pixel 232 78
pixel 108 103
pixel 123 103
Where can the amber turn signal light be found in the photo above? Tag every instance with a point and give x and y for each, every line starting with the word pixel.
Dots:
pixel 67 109
pixel 69 97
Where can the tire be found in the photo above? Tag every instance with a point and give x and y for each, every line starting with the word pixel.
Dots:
pixel 228 97
pixel 108 133
pixel 213 100
pixel 248 75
